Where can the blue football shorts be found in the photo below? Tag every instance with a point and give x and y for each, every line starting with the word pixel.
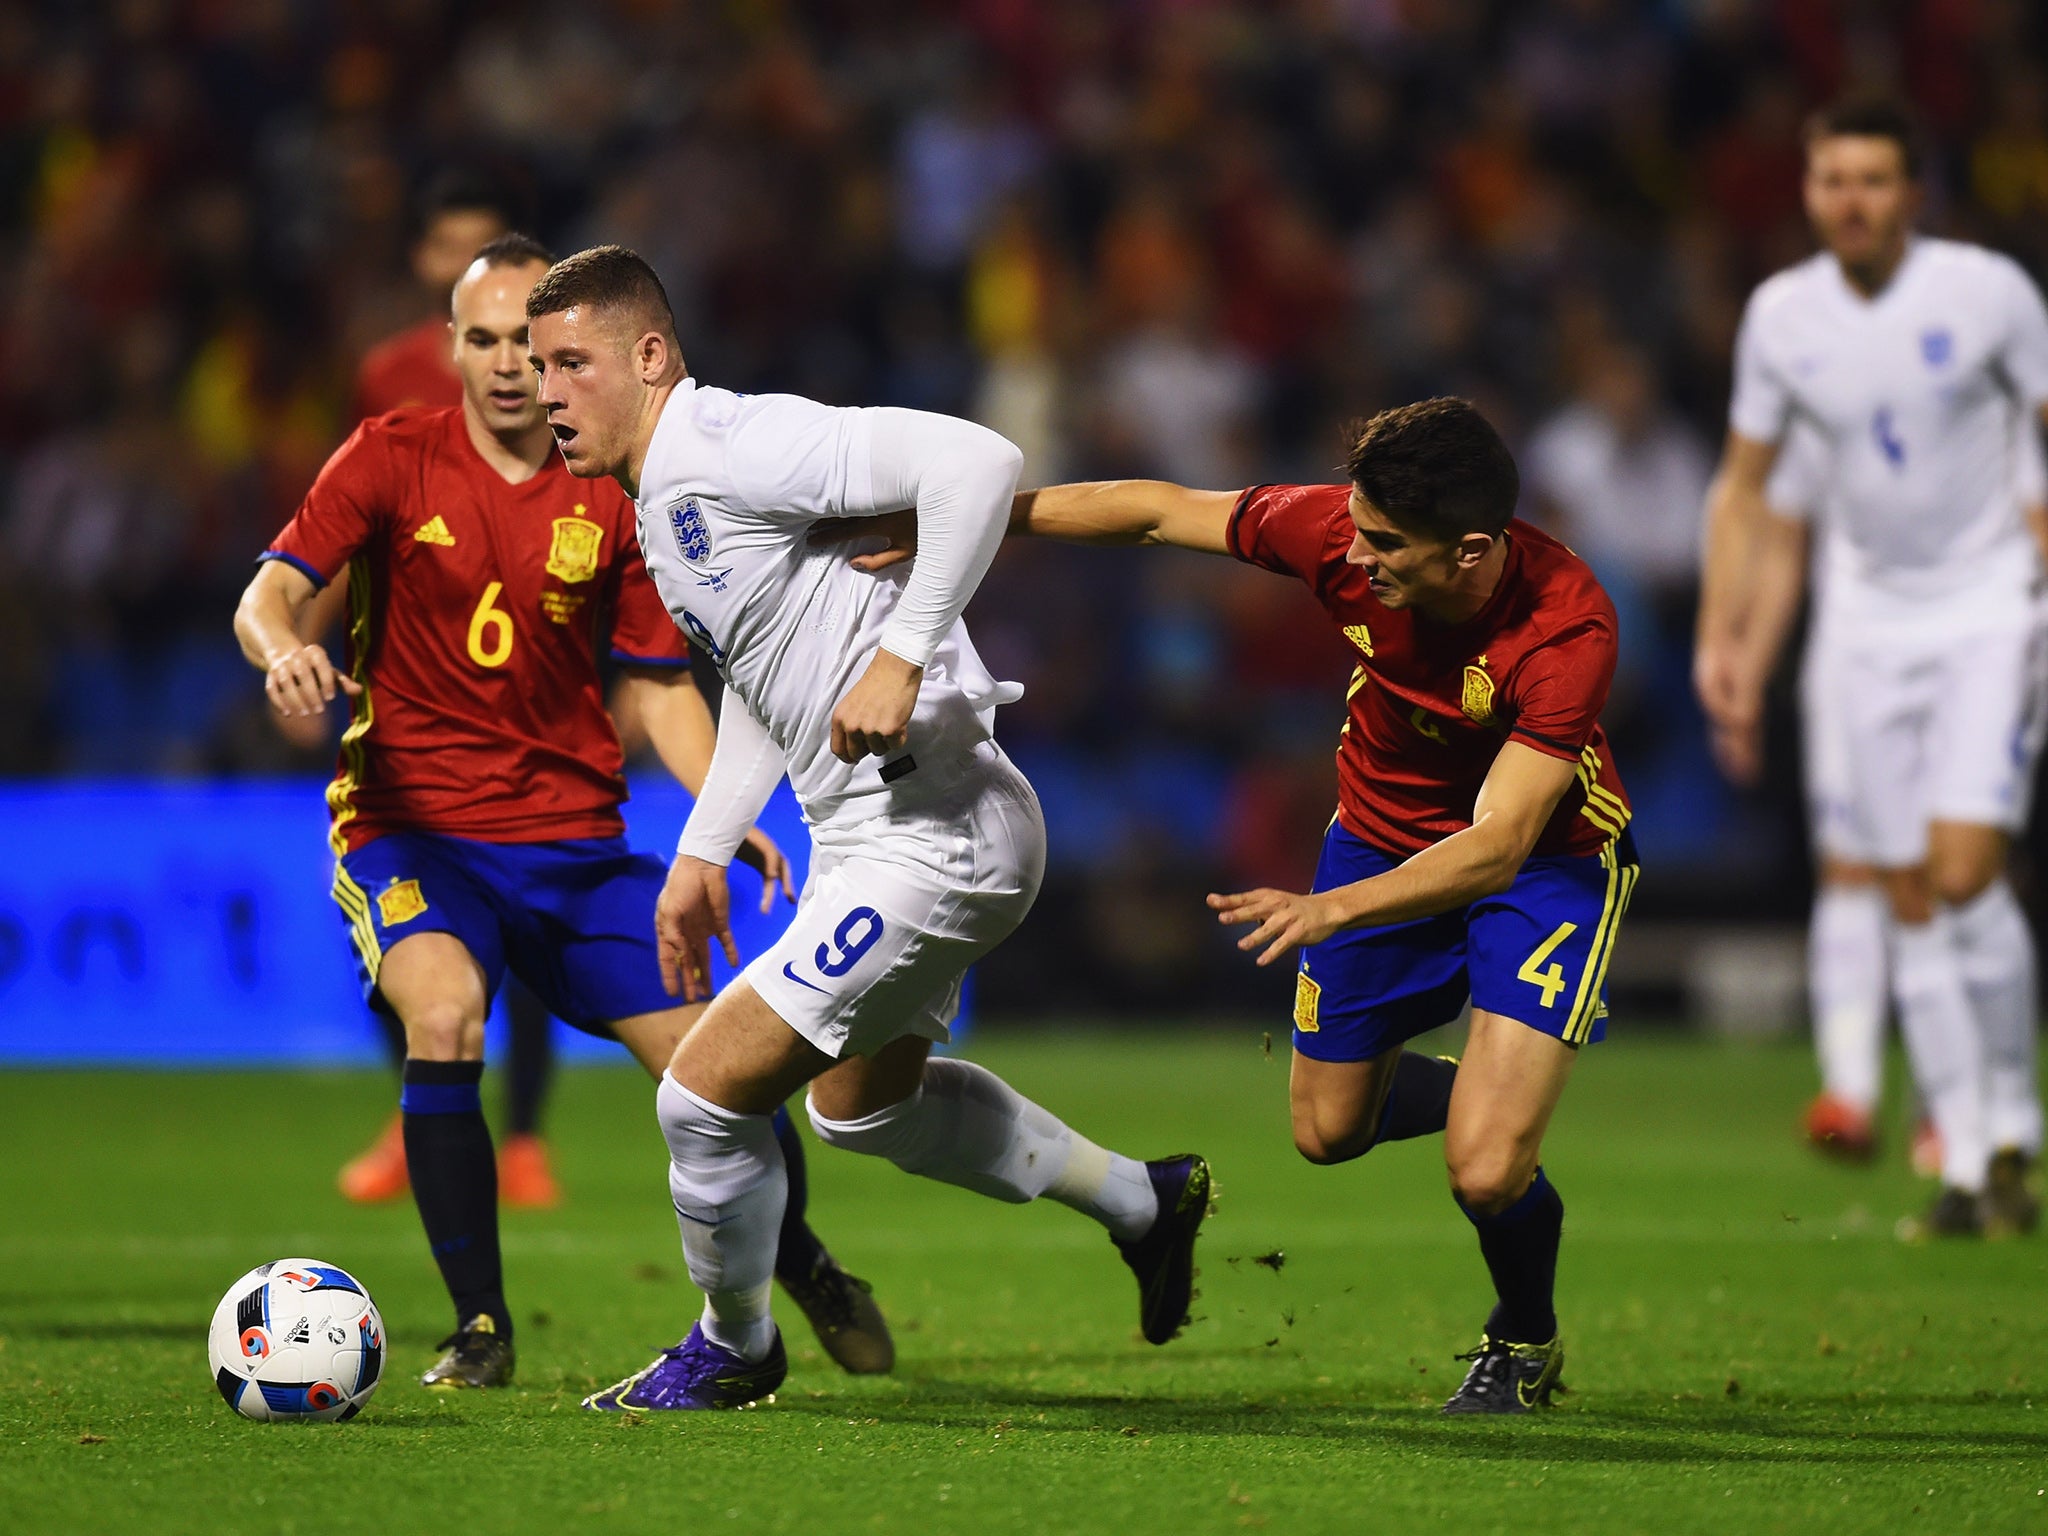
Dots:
pixel 573 920
pixel 1537 953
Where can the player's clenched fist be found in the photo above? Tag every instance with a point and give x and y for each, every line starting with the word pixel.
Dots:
pixel 302 682
pixel 695 907
pixel 873 719
pixel 1285 919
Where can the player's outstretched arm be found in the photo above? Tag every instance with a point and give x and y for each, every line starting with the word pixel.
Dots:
pixel 1515 803
pixel 299 678
pixel 1086 512
pixel 1127 512
pixel 671 710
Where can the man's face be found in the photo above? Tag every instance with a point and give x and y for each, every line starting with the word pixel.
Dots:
pixel 1404 570
pixel 1859 197
pixel 489 322
pixel 589 387
pixel 449 242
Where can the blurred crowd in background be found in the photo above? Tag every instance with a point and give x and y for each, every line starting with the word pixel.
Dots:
pixel 1181 239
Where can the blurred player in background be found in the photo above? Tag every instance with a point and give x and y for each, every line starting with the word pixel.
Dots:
pixel 928 843
pixel 1848 973
pixel 1913 362
pixel 461 211
pixel 476 816
pixel 1480 848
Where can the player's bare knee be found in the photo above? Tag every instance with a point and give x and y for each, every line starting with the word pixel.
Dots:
pixel 1322 1143
pixel 443 1030
pixel 1489 1181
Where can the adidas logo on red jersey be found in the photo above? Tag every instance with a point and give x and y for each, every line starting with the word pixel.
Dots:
pixel 434 531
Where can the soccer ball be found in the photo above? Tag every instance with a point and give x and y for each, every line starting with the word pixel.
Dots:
pixel 296 1339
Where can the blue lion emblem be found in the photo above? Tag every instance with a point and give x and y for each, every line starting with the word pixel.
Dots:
pixel 693 535
pixel 1937 346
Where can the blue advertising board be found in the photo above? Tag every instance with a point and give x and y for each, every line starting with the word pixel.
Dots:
pixel 191 924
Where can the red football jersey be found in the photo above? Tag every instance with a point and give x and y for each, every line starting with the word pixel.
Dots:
pixel 1431 704
pixel 415 368
pixel 475 612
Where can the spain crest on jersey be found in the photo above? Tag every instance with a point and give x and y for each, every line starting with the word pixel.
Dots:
pixel 573 555
pixel 1477 699
pixel 400 902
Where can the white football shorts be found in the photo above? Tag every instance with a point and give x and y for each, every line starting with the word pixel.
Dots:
pixel 897 907
pixel 1903 729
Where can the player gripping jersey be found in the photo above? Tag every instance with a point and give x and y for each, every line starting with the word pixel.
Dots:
pixel 929 843
pixel 475 813
pixel 1430 706
pixel 1911 365
pixel 1480 848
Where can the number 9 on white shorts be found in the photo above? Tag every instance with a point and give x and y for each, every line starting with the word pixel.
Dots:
pixel 897 908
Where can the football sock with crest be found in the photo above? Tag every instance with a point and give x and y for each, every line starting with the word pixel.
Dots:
pixel 1997 950
pixel 1419 1102
pixel 455 1183
pixel 727 1179
pixel 966 1126
pixel 529 1060
pixel 1520 1246
pixel 1845 979
pixel 798 1250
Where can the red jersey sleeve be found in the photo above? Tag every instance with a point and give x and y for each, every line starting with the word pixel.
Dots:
pixel 349 502
pixel 643 634
pixel 1558 689
pixel 1291 529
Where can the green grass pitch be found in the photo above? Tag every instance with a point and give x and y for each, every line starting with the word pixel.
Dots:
pixel 1750 1349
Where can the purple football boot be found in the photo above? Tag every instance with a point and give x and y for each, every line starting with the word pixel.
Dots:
pixel 695 1374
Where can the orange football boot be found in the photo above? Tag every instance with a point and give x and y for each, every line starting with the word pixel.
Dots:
pixel 1840 1129
pixel 379 1173
pixel 524 1176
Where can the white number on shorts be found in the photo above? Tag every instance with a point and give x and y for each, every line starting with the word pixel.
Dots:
pixel 851 946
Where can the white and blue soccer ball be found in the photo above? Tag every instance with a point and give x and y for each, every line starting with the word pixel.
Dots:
pixel 296 1339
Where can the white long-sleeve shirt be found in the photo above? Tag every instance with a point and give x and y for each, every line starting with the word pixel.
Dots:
pixel 728 493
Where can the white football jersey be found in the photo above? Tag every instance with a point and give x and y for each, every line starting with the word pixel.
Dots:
pixel 1798 490
pixel 728 493
pixel 1914 399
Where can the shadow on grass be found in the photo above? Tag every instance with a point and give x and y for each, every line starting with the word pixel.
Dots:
pixel 1818 1432
pixel 111 1330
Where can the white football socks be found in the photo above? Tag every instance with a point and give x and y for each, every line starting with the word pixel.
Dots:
pixel 1997 950
pixel 966 1126
pixel 1943 1043
pixel 730 1184
pixel 1845 977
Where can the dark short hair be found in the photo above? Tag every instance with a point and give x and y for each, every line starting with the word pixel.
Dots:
pixel 1435 468
pixel 1869 117
pixel 603 277
pixel 514 250
pixel 471 189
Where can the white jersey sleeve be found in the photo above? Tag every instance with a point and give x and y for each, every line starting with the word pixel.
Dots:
pixel 2024 357
pixel 961 478
pixel 746 765
pixel 1761 409
pixel 797 458
pixel 1798 485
